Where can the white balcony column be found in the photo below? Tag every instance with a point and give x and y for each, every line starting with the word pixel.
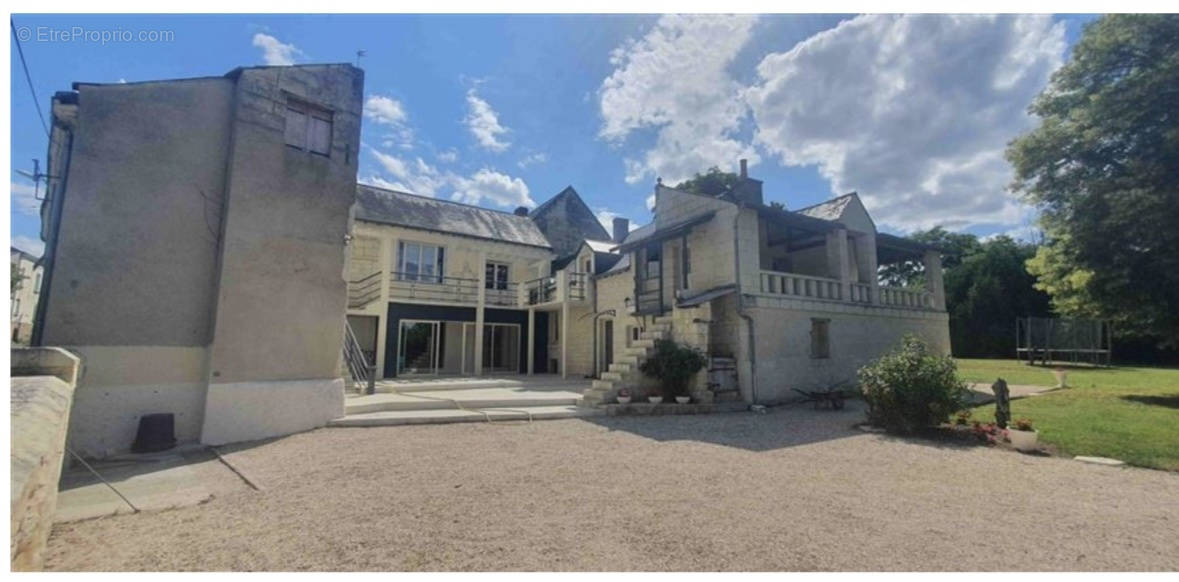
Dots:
pixel 564 339
pixel 386 257
pixel 868 265
pixel 838 265
pixel 479 304
pixel 933 279
pixel 531 341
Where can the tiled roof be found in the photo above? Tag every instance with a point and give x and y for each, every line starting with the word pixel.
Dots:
pixel 412 211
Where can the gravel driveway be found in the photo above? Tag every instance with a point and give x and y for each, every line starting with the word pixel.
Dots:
pixel 794 489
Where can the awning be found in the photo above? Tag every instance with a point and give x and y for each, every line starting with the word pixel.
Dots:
pixel 706 296
pixel 666 233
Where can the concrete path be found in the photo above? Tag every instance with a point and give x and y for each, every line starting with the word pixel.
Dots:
pixel 177 478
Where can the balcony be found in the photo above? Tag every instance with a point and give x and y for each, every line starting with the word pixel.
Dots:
pixel 564 286
pixel 433 288
pixel 794 285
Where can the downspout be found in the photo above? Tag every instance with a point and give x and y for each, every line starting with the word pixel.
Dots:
pixel 49 257
pixel 741 306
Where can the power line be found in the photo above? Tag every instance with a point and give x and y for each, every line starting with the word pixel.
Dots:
pixel 28 77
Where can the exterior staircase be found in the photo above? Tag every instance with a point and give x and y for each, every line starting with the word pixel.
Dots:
pixel 624 371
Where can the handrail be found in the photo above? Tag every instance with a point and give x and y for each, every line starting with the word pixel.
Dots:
pixel 359 368
pixel 441 288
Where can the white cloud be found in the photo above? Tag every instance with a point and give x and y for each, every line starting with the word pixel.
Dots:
pixel 483 122
pixel 392 164
pixel 449 156
pixel 23 199
pixel 607 216
pixel 675 81
pixel 275 52
pixel 913 112
pixel 492 186
pixel 533 159
pixel 33 246
pixel 384 110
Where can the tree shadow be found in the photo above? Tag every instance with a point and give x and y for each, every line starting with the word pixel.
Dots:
pixel 779 427
pixel 1164 400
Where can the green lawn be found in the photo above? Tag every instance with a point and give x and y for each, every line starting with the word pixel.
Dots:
pixel 1126 413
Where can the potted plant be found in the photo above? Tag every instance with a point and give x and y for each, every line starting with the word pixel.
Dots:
pixel 683 399
pixel 1061 377
pixel 624 396
pixel 673 365
pixel 654 399
pixel 1022 435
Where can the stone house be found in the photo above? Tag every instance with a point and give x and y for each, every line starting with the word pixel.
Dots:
pixel 25 294
pixel 236 198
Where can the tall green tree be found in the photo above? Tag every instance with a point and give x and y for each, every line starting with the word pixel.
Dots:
pixel 955 246
pixel 1103 168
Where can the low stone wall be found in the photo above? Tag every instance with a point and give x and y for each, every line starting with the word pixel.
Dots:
pixel 43 381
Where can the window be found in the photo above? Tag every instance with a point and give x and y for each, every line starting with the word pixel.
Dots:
pixel 820 338
pixel 309 128
pixel 589 266
pixel 37 284
pixel 419 262
pixel 632 335
pixel 652 260
pixel 495 276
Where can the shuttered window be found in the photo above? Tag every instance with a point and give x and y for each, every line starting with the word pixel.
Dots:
pixel 820 338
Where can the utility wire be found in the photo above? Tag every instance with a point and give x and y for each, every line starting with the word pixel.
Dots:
pixel 28 77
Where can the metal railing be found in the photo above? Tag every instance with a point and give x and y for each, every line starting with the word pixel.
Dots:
pixel 361 370
pixel 440 288
pixel 542 290
pixel 578 286
pixel 363 291
pixel 504 294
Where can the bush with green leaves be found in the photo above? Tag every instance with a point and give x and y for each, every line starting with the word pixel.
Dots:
pixel 911 388
pixel 673 365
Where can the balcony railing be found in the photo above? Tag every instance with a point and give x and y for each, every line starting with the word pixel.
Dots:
pixel 899 297
pixel 821 288
pixel 503 294
pixel 548 289
pixel 578 286
pixel 802 286
pixel 542 290
pixel 440 288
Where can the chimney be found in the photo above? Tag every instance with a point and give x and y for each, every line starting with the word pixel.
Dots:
pixel 747 190
pixel 744 168
pixel 521 211
pixel 621 227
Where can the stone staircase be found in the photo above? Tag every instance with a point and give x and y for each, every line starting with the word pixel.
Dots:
pixel 624 372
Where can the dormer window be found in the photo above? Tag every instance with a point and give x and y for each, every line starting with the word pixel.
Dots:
pixel 309 128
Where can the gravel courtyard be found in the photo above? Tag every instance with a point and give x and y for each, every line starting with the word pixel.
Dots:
pixel 794 489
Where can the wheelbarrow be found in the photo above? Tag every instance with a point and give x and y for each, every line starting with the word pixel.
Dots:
pixel 829 397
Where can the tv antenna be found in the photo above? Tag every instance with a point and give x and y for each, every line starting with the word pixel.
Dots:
pixel 36 177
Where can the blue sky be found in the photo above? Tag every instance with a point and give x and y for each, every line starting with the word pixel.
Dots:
pixel 501 110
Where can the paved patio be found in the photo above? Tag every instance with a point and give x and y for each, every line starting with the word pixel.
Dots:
pixel 794 489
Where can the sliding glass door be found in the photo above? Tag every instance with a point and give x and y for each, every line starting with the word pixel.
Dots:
pixel 501 348
pixel 418 347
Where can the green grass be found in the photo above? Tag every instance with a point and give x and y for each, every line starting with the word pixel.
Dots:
pixel 1126 413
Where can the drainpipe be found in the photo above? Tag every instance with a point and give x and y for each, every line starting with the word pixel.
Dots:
pixel 49 255
pixel 741 305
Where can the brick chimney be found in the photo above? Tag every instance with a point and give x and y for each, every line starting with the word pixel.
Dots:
pixel 621 227
pixel 747 190
pixel 744 168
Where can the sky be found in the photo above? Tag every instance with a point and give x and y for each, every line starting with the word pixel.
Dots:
pixel 911 112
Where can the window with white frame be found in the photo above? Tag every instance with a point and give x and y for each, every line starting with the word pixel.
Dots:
pixel 309 128
pixel 419 262
pixel 496 275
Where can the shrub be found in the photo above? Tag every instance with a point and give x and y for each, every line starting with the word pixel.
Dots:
pixel 1023 424
pixel 673 365
pixel 911 388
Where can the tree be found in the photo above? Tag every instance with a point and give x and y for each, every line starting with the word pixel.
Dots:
pixel 954 247
pixel 712 183
pixel 1103 168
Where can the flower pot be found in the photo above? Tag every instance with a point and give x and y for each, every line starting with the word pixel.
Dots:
pixel 683 399
pixel 654 399
pixel 624 399
pixel 1023 440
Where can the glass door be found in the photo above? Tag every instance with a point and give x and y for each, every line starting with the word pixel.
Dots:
pixel 501 348
pixel 418 347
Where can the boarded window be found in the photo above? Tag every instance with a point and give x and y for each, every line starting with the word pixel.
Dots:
pixel 820 338
pixel 309 128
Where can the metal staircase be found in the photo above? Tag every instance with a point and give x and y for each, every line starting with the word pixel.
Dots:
pixel 362 374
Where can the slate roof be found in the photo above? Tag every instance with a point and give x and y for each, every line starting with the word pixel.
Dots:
pixel 829 210
pixel 413 211
pixel 580 217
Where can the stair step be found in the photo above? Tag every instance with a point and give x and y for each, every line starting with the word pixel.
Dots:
pixel 612 376
pixel 401 417
pixel 620 367
pixel 440 404
pixel 603 384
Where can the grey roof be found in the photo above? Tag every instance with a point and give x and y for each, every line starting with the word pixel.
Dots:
pixel 829 210
pixel 411 211
pixel 577 213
